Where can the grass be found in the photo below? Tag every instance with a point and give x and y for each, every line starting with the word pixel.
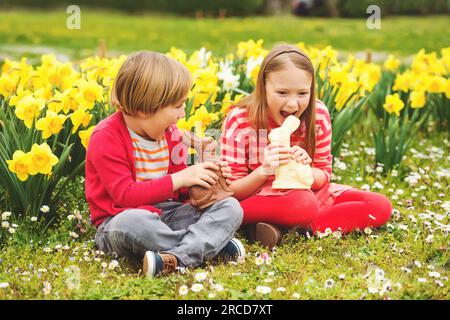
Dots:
pixel 412 249
pixel 126 33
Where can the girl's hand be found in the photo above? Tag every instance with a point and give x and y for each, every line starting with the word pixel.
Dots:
pixel 226 171
pixel 274 156
pixel 300 155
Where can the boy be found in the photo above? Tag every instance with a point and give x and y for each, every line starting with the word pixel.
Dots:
pixel 136 175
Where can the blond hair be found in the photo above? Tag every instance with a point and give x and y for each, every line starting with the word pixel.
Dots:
pixel 256 102
pixel 148 81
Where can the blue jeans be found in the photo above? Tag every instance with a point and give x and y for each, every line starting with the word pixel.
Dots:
pixel 192 235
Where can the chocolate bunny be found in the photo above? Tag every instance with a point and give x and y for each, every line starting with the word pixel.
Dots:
pixel 201 197
pixel 292 175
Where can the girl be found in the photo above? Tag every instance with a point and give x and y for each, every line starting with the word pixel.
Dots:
pixel 285 86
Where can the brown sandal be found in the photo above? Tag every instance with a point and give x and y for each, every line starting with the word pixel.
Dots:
pixel 267 234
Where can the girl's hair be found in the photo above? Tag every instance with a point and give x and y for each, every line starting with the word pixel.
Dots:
pixel 148 81
pixel 256 102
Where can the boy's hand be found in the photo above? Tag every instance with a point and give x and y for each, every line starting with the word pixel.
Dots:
pixel 300 155
pixel 198 174
pixel 226 171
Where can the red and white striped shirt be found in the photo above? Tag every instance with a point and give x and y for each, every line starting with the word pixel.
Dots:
pixel 242 146
pixel 244 152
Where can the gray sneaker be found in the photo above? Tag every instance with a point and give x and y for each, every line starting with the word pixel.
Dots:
pixel 234 250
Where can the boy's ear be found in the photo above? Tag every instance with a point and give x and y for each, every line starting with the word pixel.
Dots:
pixel 119 108
pixel 141 115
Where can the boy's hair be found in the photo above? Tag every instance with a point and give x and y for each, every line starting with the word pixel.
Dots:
pixel 148 81
pixel 256 102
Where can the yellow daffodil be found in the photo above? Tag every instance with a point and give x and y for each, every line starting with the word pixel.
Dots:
pixel 19 165
pixel 19 95
pixel 206 87
pixel 204 117
pixel 250 48
pixel 45 92
pixel 8 86
pixel 227 102
pixel 350 64
pixel 48 60
pixel 445 53
pixel 41 159
pixel 96 68
pixel 418 99
pixel 85 136
pixel 391 64
pixel 70 101
pixel 19 71
pixel 342 97
pixel 89 92
pixel 326 57
pixel 64 101
pixel 56 104
pixel 393 104
pixel 185 125
pixel 252 68
pixel 337 76
pixel 374 75
pixel 435 84
pixel 29 108
pixel 51 124
pixel 80 117
pixel 177 54
pixel 447 88
pixel 403 82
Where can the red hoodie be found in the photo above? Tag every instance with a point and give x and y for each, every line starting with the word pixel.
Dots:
pixel 111 185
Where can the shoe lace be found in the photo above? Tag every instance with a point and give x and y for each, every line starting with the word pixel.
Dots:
pixel 181 270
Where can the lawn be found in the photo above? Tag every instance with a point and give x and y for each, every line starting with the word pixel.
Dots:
pixel 408 256
pixel 25 32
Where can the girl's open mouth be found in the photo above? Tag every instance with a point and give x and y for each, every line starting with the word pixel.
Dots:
pixel 286 114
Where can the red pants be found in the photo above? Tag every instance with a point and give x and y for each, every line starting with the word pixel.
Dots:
pixel 352 209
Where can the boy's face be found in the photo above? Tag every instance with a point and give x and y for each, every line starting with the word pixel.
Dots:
pixel 154 125
pixel 287 92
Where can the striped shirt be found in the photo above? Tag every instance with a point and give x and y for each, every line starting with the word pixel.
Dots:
pixel 243 147
pixel 151 158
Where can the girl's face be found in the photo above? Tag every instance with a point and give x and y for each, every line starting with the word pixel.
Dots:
pixel 287 92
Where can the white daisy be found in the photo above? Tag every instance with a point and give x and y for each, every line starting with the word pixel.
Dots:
pixel 263 289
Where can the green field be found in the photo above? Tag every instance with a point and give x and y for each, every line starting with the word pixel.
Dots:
pixel 411 249
pixel 126 33
pixel 408 256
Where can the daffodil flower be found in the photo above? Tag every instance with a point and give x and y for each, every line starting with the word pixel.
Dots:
pixel 29 108
pixel 391 64
pixel 20 165
pixel 51 124
pixel 393 104
pixel 80 117
pixel 89 92
pixel 42 159
pixel 85 136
